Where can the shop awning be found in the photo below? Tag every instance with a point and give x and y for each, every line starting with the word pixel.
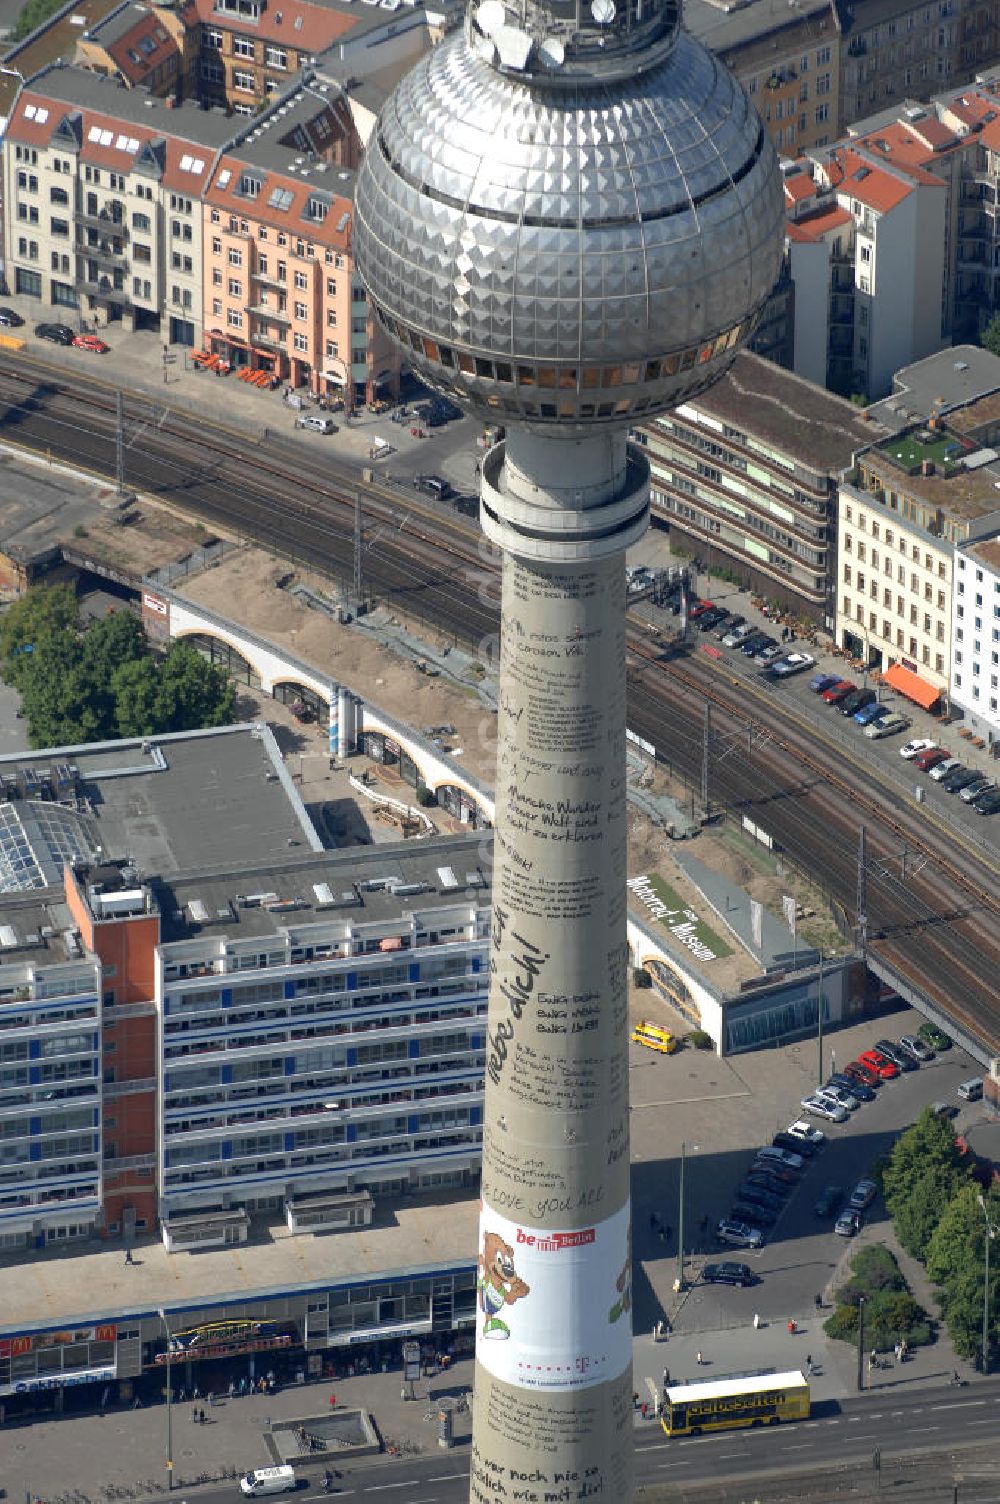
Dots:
pixel 911 685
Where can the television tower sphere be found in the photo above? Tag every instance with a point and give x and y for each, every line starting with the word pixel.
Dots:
pixel 569 213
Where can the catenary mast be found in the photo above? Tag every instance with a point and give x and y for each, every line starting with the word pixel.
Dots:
pixel 569 216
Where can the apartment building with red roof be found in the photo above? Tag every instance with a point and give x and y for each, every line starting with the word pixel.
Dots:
pixel 145 46
pixel 280 291
pixel 103 188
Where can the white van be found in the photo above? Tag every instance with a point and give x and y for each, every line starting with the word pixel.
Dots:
pixel 269 1480
pixel 971 1091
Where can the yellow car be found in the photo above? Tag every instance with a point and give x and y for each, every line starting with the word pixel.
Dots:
pixel 655 1037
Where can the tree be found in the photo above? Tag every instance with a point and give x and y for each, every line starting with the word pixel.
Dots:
pixel 43 613
pixel 990 337
pixel 136 686
pixel 956 1261
pixel 66 700
pixel 32 15
pixel 114 640
pixel 192 692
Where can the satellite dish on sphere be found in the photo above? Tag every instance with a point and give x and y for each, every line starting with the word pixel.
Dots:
pixel 603 11
pixel 513 47
pixel 552 53
pixel 490 16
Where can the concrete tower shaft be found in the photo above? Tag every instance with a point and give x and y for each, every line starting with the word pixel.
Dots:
pixel 553 1397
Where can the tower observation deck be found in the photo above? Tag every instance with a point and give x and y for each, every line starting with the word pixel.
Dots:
pixel 569 216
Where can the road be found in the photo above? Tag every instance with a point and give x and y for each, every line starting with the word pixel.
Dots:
pixel 837 1436
pixel 934 922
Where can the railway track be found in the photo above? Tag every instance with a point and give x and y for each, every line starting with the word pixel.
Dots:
pixel 435 569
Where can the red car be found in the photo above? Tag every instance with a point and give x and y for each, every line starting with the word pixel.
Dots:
pixel 863 1073
pixel 838 691
pixel 881 1064
pixel 930 759
pixel 698 609
pixel 90 342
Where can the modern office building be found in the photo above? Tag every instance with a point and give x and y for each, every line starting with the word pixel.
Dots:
pixel 745 477
pixel 198 1023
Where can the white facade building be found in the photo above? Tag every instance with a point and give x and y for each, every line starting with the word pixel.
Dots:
pixel 975 670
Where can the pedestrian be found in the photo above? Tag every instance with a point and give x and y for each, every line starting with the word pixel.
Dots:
pixel 666 1377
pixel 809 1365
pixel 756 1321
pixel 791 1327
pixel 201 1416
pixel 659 1331
pixel 644 1407
pixel 819 1302
pixel 333 1401
pixel 194 1414
pixel 699 1359
pixel 635 1399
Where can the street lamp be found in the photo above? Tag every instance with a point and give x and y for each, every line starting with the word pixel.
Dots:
pixel 170 1433
pixel 680 1219
pixel 990 1235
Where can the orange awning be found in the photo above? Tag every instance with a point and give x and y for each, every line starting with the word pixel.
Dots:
pixel 912 686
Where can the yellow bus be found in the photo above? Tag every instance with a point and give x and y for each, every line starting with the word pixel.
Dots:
pixel 655 1037
pixel 754 1399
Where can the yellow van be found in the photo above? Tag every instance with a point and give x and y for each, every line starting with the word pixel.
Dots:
pixel 655 1037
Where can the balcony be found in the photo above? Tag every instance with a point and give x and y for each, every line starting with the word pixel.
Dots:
pixel 106 254
pixel 105 219
pixel 268 314
pixel 105 291
pixel 269 280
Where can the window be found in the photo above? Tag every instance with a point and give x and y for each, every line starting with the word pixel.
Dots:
pixel 822 56
pixel 332 348
pixel 216 277
pixel 211 39
pixel 301 281
pixel 235 318
pixel 140 222
pixel 216 246
pixel 235 256
pixel 181 263
pixel 59 227
pixel 823 84
pixel 244 81
pixel 301 343
pixel 235 287
pixel 142 253
pixel 331 318
pixel 276 57
pixel 212 72
pixel 58 196
pixel 301 311
pixel 217 307
pixel 243 47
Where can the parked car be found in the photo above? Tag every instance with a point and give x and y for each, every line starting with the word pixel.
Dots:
pixel 59 334
pixel 988 803
pixel 898 1057
pixel 698 608
pixel 858 1089
pixel 820 682
pixel 838 692
pixel 916 1047
pixel 863 1195
pixel 9 319
pixel 711 619
pixel 960 779
pixel 944 1109
pixel 829 1201
pixel 806 1133
pixel 792 663
pixel 739 1234
pixel 743 1211
pixel 888 725
pixel 916 746
pixel 826 1108
pixel 762 1181
pixel 780 1172
pixel 941 769
pixel 727 625
pixel 857 1071
pixel 783 1157
pixel 91 342
pixel 316 422
pixel 925 761
pixel 856 701
pixel 980 785
pixel 873 711
pixel 767 655
pixel 845 1099
pixel 756 644
pixel 884 1068
pixel 757 1195
pixel 795 1143
pixel 935 1037
pixel 727 1273
pixel 737 635
pixel 849 1223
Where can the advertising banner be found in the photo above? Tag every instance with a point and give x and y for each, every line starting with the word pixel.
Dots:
pixel 555 1307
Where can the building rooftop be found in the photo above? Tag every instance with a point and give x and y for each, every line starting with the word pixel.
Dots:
pixel 801 419
pixel 169 804
pixel 306 25
pixel 935 385
pixel 986 553
pixel 724 29
pixel 955 491
pixel 55 40
pixel 362 884
pixel 406 1239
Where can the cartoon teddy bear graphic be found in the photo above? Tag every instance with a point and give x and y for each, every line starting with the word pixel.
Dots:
pixel 499 1284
